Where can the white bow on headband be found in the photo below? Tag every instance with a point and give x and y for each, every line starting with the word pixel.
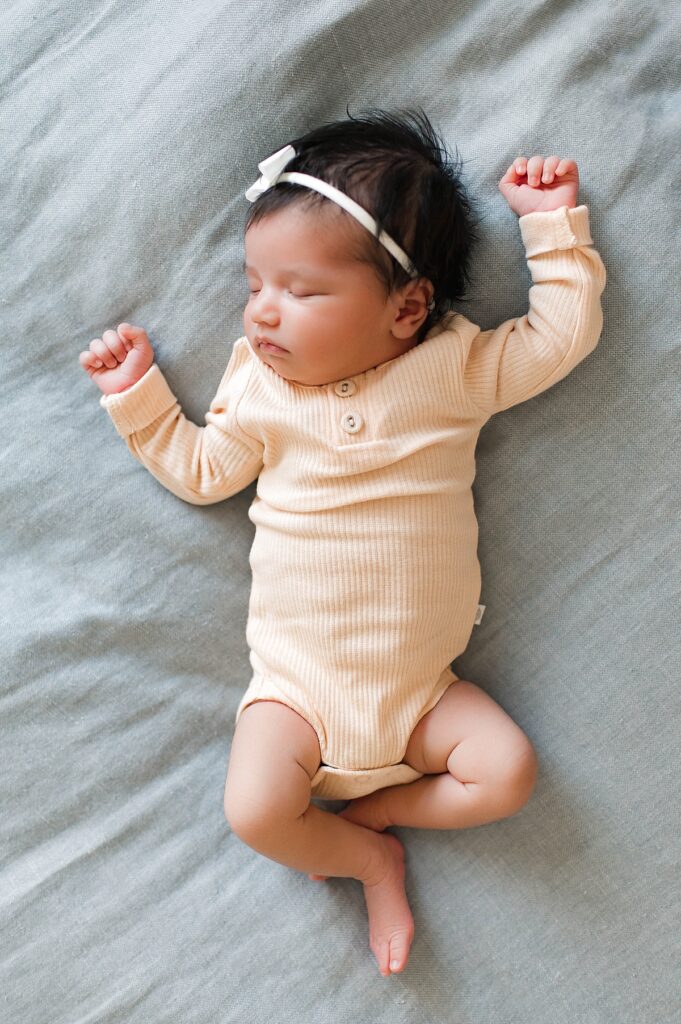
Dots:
pixel 272 171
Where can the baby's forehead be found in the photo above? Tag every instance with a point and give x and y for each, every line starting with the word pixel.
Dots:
pixel 324 238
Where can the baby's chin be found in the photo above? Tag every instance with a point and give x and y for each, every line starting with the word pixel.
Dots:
pixel 305 380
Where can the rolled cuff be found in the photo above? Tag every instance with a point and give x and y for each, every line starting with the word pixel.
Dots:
pixel 141 403
pixel 564 228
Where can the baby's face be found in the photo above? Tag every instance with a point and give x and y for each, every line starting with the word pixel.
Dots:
pixel 327 314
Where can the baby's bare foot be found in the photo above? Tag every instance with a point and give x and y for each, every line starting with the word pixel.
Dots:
pixel 391 925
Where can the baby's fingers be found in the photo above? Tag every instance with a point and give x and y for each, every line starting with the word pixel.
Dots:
pixel 566 167
pixel 90 362
pixel 550 165
pixel 129 334
pixel 108 350
pixel 101 352
pixel 535 166
pixel 119 345
pixel 515 171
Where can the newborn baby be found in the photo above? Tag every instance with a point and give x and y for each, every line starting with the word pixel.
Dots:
pixel 356 397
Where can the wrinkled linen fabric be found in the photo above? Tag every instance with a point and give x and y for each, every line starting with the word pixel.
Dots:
pixel 130 134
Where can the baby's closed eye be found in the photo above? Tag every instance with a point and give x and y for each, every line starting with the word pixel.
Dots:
pixel 294 295
pixel 305 295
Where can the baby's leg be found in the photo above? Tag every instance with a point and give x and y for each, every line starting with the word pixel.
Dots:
pixel 275 753
pixel 479 767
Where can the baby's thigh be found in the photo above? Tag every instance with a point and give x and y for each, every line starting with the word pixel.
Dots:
pixel 275 753
pixel 468 734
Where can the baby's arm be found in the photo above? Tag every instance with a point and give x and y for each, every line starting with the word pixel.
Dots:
pixel 526 355
pixel 201 465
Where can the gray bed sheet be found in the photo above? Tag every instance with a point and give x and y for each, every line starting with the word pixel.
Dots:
pixel 129 134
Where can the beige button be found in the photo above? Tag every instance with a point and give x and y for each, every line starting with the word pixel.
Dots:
pixel 352 422
pixel 345 388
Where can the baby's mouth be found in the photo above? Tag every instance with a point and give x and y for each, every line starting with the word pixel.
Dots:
pixel 268 346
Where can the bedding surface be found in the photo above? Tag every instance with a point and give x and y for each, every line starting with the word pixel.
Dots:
pixel 130 133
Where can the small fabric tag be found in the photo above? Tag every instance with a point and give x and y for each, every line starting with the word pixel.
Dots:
pixel 479 614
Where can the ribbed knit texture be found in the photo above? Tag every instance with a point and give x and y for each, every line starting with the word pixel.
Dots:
pixel 366 579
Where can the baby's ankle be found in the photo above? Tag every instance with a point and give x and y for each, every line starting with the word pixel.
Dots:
pixel 382 863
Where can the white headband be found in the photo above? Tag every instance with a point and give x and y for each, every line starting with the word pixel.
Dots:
pixel 272 169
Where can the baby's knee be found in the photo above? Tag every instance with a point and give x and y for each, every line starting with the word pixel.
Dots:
pixel 260 808
pixel 520 775
pixel 248 818
pixel 268 779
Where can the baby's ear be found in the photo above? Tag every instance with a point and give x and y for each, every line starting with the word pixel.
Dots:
pixel 421 291
pixel 418 287
pixel 413 307
pixel 430 294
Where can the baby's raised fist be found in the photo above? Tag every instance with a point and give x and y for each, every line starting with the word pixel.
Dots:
pixel 540 184
pixel 118 359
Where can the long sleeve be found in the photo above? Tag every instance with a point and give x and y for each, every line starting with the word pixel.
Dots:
pixel 525 356
pixel 201 465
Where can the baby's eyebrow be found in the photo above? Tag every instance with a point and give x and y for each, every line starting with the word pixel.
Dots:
pixel 298 268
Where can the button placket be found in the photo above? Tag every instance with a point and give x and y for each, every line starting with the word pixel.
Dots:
pixel 351 421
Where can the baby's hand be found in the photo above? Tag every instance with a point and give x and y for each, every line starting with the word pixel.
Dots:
pixel 539 184
pixel 118 359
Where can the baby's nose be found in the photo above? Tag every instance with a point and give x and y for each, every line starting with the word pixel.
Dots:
pixel 264 309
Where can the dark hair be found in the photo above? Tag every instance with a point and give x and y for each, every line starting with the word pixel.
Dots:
pixel 396 166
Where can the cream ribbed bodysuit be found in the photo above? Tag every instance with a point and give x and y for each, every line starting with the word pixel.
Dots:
pixel 365 576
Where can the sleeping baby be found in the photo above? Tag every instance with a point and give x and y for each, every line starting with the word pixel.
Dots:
pixel 355 397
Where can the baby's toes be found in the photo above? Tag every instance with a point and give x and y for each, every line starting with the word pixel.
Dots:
pixel 381 950
pixel 400 944
pixel 392 952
